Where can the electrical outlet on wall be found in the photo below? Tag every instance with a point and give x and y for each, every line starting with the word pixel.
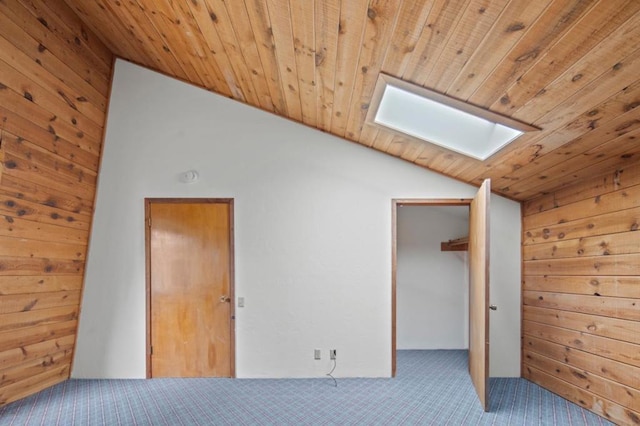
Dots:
pixel 317 353
pixel 332 354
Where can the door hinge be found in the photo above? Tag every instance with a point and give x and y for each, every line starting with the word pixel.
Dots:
pixel 149 221
pixel 151 350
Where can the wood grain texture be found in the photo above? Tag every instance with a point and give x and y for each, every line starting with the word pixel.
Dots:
pixel 619 372
pixel 190 289
pixel 581 293
pixel 54 81
pixel 623 395
pixel 569 67
pixel 479 293
pixel 620 329
pixel 596 285
pixel 606 408
pixel 623 177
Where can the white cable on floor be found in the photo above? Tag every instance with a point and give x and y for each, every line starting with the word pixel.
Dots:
pixel 335 363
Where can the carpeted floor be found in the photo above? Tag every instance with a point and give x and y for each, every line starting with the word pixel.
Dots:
pixel 432 387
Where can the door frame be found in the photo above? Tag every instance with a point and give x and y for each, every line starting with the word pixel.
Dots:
pixel 147 243
pixel 395 203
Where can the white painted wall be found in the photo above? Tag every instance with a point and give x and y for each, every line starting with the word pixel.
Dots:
pixel 312 233
pixel 432 285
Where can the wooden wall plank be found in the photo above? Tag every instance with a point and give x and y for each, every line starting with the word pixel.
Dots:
pixel 25 149
pixel 35 266
pixel 51 197
pixel 40 213
pixel 23 354
pixel 619 372
pixel 593 285
pixel 611 244
pixel 35 367
pixel 616 350
pixel 54 84
pixel 39 284
pixel 39 53
pixel 617 307
pixel 22 247
pixel 46 138
pixel 15 227
pixel 46 120
pixel 627 264
pixel 581 292
pixel 31 172
pixel 18 337
pixel 33 384
pixel 623 395
pixel 614 328
pixel 604 407
pixel 52 102
pixel 29 302
pixel 588 188
pixel 609 223
pixel 37 317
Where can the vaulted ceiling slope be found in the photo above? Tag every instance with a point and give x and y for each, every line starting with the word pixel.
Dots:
pixel 570 67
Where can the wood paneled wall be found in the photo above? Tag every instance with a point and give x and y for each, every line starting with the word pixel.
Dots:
pixel 54 84
pixel 581 294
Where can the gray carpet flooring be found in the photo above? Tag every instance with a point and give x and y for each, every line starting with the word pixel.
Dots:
pixel 431 388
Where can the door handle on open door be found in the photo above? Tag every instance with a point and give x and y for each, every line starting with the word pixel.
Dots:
pixel 493 307
pixel 225 299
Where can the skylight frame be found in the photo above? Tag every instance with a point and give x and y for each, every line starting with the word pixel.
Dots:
pixel 386 80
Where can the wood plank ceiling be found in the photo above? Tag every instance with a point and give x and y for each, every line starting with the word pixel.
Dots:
pixel 569 67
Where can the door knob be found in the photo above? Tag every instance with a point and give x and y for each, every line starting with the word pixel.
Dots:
pixel 225 299
pixel 493 307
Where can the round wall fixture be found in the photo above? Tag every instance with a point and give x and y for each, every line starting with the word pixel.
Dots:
pixel 190 176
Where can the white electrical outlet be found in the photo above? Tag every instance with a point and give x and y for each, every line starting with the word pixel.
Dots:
pixel 332 354
pixel 317 353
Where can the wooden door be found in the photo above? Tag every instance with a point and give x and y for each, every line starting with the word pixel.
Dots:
pixel 190 288
pixel 479 293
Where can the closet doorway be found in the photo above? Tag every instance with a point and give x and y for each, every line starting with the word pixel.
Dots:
pixel 476 242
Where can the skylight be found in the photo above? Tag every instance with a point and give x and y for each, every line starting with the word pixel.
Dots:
pixel 438 119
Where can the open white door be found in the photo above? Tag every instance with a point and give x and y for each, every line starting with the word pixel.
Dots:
pixel 479 293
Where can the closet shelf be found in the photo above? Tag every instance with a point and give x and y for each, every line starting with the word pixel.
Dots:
pixel 458 244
